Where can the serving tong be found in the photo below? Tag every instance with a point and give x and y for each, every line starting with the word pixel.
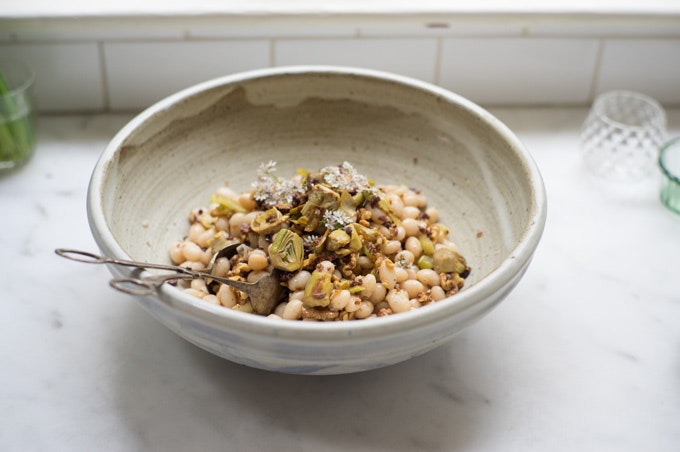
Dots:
pixel 264 294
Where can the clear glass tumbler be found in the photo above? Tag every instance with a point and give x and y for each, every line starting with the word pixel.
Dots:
pixel 17 114
pixel 669 162
pixel 622 134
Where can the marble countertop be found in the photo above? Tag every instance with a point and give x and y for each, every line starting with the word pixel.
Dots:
pixel 583 355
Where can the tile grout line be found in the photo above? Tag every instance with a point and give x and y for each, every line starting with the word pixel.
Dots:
pixel 104 81
pixel 594 82
pixel 436 79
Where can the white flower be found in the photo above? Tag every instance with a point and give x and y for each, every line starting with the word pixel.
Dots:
pixel 310 240
pixel 269 190
pixel 336 219
pixel 345 177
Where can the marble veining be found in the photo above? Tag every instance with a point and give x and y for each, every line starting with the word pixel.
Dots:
pixel 582 355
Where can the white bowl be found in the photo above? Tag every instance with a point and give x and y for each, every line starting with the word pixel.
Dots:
pixel 393 129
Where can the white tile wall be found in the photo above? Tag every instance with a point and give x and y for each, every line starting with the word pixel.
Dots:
pixel 651 66
pixel 519 70
pixel 68 76
pixel 141 73
pixel 99 64
pixel 411 57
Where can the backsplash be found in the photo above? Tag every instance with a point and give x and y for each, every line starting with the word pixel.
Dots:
pixel 97 65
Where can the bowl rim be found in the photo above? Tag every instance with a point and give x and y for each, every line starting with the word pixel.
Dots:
pixel 499 278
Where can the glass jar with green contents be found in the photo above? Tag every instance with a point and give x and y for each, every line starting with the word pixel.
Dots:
pixel 17 114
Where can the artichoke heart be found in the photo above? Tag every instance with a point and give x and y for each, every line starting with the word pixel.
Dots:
pixel 337 239
pixel 426 244
pixel 318 290
pixel 320 199
pixel 447 260
pixel 348 204
pixel 268 222
pixel 355 242
pixel 226 206
pixel 286 251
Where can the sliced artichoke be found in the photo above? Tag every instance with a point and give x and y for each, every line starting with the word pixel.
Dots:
pixel 355 242
pixel 426 244
pixel 447 260
pixel 318 290
pixel 337 239
pixel 226 206
pixel 425 262
pixel 268 222
pixel 286 251
pixel 320 199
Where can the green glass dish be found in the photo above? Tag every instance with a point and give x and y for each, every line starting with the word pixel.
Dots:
pixel 17 114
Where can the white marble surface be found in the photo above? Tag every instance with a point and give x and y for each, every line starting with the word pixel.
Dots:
pixel 583 355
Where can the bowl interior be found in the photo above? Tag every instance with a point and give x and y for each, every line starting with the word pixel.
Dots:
pixel 172 157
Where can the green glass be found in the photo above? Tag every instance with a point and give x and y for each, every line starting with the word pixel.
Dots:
pixel 669 161
pixel 17 114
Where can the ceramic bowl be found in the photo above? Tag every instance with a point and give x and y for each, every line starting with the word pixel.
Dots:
pixel 172 156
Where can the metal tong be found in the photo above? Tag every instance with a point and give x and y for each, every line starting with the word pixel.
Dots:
pixel 264 294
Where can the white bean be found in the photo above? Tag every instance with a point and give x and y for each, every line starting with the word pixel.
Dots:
pixel 391 247
pixel 205 238
pixel 414 246
pixel 212 299
pixel 401 274
pixel 365 262
pixel 257 260
pixel 410 198
pixel 191 251
pixel 365 310
pixel 199 284
pixel 246 201
pixel 176 254
pixel 412 271
pixel 293 310
pixel 297 295
pixel 353 304
pixel 401 233
pixel 396 204
pixel 398 300
pixel 411 212
pixel 404 258
pixel 193 265
pixel 437 293
pixel 411 226
pixel 222 224
pixel 299 280
pixel 339 300
pixel 428 277
pixel 235 223
pixel 325 267
pixel 433 214
pixel 195 231
pixel 387 274
pixel 368 282
pixel 378 294
pixel 221 267
pixel 195 293
pixel 413 287
pixel 227 296
pixel 280 308
pixel 226 192
pixel 207 257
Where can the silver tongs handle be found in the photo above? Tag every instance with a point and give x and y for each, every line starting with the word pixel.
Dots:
pixel 148 284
